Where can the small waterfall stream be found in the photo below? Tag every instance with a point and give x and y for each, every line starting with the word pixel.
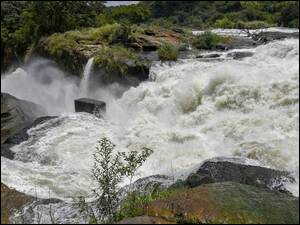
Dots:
pixel 84 85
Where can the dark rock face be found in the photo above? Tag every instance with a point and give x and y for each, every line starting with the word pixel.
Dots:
pixel 20 136
pixel 90 106
pixel 240 55
pixel 213 171
pixel 264 37
pixel 16 114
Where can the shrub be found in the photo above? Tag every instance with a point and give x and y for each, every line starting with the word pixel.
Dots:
pixel 167 52
pixel 207 40
pixel 109 170
pixel 224 23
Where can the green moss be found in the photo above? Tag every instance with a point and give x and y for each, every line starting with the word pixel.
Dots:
pixel 167 52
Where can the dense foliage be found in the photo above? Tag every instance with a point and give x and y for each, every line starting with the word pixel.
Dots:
pixel 24 23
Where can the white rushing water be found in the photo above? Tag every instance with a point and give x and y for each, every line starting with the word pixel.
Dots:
pixel 84 84
pixel 187 113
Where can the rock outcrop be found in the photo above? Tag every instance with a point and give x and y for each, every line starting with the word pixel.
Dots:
pixel 231 169
pixel 16 114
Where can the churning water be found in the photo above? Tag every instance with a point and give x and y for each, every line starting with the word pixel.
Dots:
pixel 187 113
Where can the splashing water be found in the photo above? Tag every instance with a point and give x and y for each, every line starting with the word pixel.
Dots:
pixel 84 84
pixel 187 113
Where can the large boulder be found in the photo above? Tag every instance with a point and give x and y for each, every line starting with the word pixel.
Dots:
pixel 226 203
pixel 90 106
pixel 235 169
pixel 16 114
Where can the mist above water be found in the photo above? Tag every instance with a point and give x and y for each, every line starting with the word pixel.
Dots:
pixel 42 82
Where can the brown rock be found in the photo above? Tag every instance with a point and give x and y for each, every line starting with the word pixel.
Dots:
pixel 11 200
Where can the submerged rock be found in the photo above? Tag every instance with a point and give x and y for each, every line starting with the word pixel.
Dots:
pixel 90 106
pixel 240 55
pixel 228 203
pixel 232 169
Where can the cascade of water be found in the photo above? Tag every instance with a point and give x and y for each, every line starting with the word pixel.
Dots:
pixel 189 112
pixel 84 85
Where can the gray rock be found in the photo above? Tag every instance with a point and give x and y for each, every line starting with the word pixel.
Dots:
pixel 16 114
pixel 240 55
pixel 231 169
pixel 90 106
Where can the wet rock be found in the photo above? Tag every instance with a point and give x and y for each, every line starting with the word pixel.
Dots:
pixel 20 136
pixel 11 200
pixel 90 106
pixel 232 169
pixel 240 55
pixel 144 220
pixel 226 203
pixel 148 184
pixel 16 114
pixel 265 37
pixel 212 55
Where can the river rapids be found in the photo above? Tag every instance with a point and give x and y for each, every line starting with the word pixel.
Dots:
pixel 187 112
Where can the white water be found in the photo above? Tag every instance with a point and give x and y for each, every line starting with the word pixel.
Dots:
pixel 242 33
pixel 187 113
pixel 84 84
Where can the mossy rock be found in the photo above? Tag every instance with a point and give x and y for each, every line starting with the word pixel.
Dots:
pixel 227 202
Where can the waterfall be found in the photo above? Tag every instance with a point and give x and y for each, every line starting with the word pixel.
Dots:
pixel 84 84
pixel 191 111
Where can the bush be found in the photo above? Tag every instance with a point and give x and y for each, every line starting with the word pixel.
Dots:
pixel 167 52
pixel 224 23
pixel 109 170
pixel 207 40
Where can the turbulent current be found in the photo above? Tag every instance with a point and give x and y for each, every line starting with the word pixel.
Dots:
pixel 187 112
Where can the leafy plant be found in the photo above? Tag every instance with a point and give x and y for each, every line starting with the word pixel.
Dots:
pixel 167 52
pixel 109 170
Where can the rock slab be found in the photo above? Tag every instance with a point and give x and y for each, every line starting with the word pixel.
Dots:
pixel 90 106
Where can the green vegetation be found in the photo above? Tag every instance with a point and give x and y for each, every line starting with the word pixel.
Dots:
pixel 25 23
pixel 209 40
pixel 116 59
pixel 109 170
pixel 167 52
pixel 135 204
